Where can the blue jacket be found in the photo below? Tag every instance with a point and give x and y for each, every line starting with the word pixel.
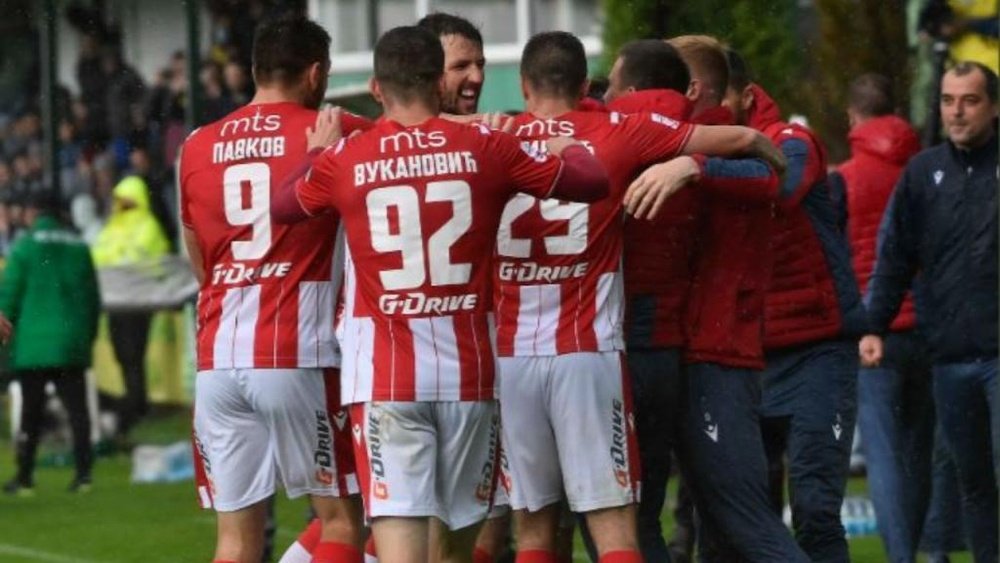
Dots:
pixel 942 222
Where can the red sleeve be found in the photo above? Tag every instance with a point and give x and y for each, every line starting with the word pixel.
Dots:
pixel 528 171
pixel 350 122
pixel 583 177
pixel 314 191
pixel 653 136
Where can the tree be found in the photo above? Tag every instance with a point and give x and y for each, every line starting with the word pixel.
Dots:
pixel 804 57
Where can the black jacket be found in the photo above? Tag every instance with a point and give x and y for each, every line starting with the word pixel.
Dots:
pixel 942 222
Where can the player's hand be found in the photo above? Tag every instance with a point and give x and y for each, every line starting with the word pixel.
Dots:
pixel 327 130
pixel 765 150
pixel 645 196
pixel 6 330
pixel 556 145
pixel 870 350
pixel 498 121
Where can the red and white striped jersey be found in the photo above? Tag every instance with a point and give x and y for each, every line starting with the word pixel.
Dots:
pixel 558 271
pixel 269 293
pixel 421 206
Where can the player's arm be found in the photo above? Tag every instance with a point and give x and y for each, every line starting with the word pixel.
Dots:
pixel 732 140
pixel 194 254
pixel 564 170
pixel 582 178
pixel 289 206
pixel 805 167
pixel 750 180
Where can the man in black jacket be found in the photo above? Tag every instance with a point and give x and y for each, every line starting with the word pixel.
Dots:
pixel 942 222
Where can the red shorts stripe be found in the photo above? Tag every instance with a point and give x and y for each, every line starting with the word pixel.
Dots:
pixel 340 421
pixel 202 474
pixel 634 464
pixel 361 453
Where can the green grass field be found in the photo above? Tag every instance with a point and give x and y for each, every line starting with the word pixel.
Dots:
pixel 122 522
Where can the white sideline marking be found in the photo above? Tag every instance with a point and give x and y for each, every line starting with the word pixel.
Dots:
pixel 8 549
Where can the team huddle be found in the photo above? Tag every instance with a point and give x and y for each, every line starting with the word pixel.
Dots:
pixel 420 322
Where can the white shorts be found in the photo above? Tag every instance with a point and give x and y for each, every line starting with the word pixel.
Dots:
pixel 256 427
pixel 427 459
pixel 568 431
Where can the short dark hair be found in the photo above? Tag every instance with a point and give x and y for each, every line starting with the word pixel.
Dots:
pixel 653 64
pixel 440 24
pixel 706 60
pixel 740 75
pixel 285 47
pixel 44 200
pixel 871 95
pixel 555 63
pixel 409 62
pixel 963 68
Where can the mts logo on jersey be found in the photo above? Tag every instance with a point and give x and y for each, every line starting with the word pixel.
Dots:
pixel 618 442
pixel 256 124
pixel 484 490
pixel 546 128
pixel 410 140
pixel 324 446
pixel 236 273
pixel 379 488
pixel 420 304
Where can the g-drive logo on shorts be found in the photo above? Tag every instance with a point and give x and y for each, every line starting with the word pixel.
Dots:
pixel 484 490
pixel 618 442
pixel 324 445
pixel 380 489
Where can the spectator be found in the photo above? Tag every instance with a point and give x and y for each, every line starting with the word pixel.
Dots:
pixel 970 26
pixel 26 177
pixel 71 180
pixel 161 203
pixel 132 235
pixel 215 103
pixel 942 222
pixel 49 291
pixel 93 91
pixel 895 406
pixel 125 102
pixel 238 84
pixel 6 178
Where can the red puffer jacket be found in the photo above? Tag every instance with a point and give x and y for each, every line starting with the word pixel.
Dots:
pixel 812 295
pixel 725 308
pixel 880 148
pixel 658 254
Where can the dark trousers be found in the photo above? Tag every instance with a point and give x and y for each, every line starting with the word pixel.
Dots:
pixel 129 336
pixel 72 391
pixel 809 408
pixel 965 395
pixel 726 468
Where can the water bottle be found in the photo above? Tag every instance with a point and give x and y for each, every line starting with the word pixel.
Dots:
pixel 858 517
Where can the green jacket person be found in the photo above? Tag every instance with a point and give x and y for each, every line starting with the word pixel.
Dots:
pixel 49 292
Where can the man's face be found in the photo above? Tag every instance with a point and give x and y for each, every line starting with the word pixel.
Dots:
pixel 615 88
pixel 463 74
pixel 966 110
pixel 316 80
pixel 738 102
